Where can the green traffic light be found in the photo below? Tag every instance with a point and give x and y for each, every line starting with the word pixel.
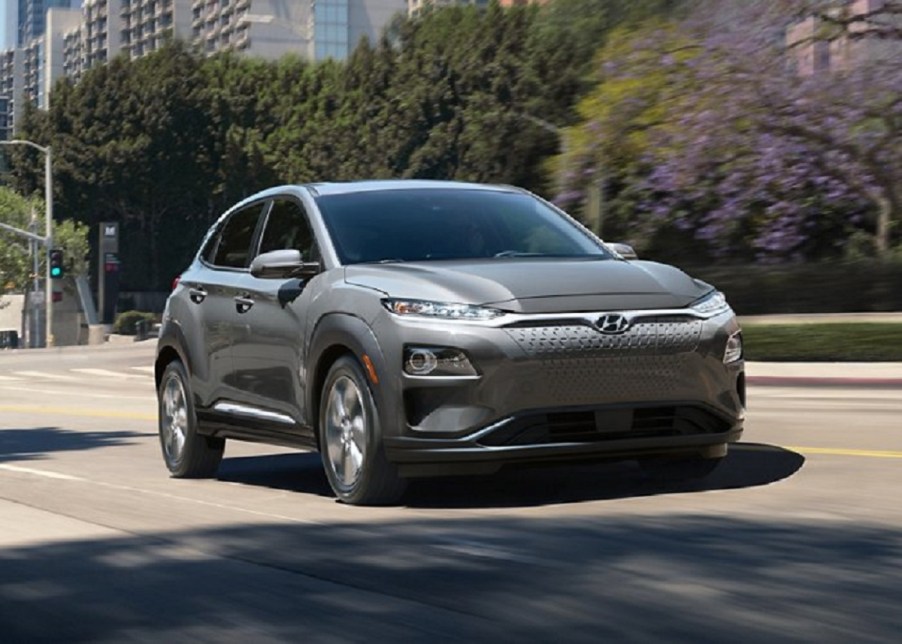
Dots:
pixel 55 272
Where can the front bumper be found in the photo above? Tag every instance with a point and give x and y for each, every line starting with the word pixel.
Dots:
pixel 554 387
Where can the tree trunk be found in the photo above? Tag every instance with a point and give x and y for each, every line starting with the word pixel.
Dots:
pixel 889 211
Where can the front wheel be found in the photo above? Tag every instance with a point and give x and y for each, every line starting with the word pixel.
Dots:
pixel 351 439
pixel 187 454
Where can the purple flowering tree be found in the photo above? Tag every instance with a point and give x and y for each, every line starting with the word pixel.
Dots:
pixel 770 129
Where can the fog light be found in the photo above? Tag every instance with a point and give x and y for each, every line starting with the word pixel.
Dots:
pixel 420 362
pixel 733 352
pixel 437 361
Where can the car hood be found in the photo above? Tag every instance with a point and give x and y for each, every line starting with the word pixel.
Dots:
pixel 535 285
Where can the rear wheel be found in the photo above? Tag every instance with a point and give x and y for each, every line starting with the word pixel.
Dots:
pixel 351 439
pixel 187 454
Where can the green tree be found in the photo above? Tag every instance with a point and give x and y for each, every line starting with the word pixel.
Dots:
pixel 131 144
pixel 16 259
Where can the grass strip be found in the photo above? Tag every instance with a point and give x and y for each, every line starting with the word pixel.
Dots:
pixel 823 342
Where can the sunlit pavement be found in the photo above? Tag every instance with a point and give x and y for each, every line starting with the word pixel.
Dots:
pixel 797 537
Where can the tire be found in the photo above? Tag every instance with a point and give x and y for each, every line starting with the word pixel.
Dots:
pixel 350 438
pixel 678 469
pixel 186 453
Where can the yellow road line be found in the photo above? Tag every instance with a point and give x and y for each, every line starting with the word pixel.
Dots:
pixel 75 411
pixel 839 451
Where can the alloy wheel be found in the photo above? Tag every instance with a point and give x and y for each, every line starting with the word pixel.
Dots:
pixel 345 430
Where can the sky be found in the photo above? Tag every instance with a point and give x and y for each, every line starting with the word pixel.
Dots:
pixel 6 23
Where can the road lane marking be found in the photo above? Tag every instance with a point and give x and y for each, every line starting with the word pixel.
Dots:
pixel 81 394
pixel 9 379
pixel 838 451
pixel 36 472
pixel 44 375
pixel 106 373
pixel 149 370
pixel 157 493
pixel 75 411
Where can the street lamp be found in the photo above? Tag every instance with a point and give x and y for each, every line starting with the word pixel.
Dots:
pixel 48 230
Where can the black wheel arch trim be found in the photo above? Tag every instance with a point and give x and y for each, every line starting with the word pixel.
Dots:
pixel 171 337
pixel 353 333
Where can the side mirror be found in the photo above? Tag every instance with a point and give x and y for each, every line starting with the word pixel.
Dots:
pixel 282 264
pixel 624 250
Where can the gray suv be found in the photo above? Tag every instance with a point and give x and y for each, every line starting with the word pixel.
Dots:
pixel 415 328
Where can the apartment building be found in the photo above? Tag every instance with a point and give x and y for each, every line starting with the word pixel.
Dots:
pixel 314 29
pixel 147 24
pixel 814 52
pixel 32 15
pixel 9 91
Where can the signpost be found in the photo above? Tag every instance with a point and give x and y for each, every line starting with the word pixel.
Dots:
pixel 108 271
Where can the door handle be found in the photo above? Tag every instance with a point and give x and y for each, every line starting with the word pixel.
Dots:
pixel 197 294
pixel 243 303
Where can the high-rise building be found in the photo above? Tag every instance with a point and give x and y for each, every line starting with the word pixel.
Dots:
pixel 314 29
pixel 32 15
pixel 9 72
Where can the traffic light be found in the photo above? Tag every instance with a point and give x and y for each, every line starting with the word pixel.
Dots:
pixel 56 263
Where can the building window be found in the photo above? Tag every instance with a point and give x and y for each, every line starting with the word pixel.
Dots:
pixel 330 29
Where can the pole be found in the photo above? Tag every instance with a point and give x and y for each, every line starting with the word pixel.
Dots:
pixel 48 228
pixel 48 235
pixel 33 311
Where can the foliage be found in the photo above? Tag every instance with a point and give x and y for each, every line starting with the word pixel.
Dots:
pixel 16 262
pixel 744 156
pixel 686 121
pixel 165 143
pixel 866 285
pixel 127 322
pixel 72 237
pixel 830 342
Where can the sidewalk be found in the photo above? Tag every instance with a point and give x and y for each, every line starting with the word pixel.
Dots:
pixel 835 374
pixel 820 318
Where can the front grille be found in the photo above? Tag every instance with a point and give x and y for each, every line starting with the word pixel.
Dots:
pixel 581 365
pixel 660 335
pixel 595 426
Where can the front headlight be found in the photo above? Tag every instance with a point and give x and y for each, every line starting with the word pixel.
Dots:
pixel 711 304
pixel 733 350
pixel 441 310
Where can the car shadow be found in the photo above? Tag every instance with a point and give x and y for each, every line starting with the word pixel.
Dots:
pixel 746 465
pixel 33 443
pixel 296 472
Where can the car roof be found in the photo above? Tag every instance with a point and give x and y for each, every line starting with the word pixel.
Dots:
pixel 346 187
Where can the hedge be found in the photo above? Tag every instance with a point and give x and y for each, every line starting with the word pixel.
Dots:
pixel 840 287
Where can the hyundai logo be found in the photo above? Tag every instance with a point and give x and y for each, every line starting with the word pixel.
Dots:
pixel 613 323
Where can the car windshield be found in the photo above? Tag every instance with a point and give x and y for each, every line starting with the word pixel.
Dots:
pixel 420 224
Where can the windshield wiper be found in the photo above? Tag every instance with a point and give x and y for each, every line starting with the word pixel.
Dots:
pixel 517 253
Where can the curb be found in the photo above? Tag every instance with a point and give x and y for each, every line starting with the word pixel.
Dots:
pixel 802 381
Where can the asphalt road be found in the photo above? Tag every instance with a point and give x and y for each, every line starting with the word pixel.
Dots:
pixel 797 537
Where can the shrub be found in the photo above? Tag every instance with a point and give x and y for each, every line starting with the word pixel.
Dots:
pixel 828 287
pixel 127 321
